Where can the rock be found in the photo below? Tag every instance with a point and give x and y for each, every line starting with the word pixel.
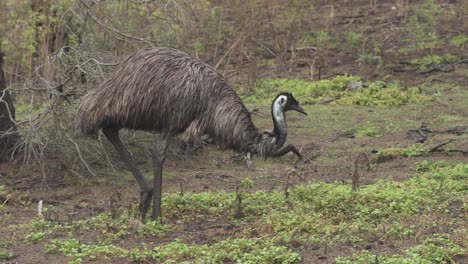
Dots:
pixel 353 86
pixel 135 224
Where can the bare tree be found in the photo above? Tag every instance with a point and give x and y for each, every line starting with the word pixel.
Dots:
pixel 8 134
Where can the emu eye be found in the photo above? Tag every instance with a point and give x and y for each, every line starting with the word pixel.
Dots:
pixel 282 100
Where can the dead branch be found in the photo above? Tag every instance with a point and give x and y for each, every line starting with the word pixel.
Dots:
pixel 444 67
pixel 329 100
pixel 437 147
pixel 111 29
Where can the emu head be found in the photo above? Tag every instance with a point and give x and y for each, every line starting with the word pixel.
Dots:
pixel 281 104
pixel 271 142
pixel 285 102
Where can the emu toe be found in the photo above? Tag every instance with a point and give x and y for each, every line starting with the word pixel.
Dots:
pixel 299 163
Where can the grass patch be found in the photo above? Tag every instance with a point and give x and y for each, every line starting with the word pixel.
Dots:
pixel 274 223
pixel 25 110
pixel 394 152
pixel 432 250
pixel 308 92
pixel 6 255
pixel 446 118
pixel 424 62
pixel 2 199
pixel 257 250
pixel 363 131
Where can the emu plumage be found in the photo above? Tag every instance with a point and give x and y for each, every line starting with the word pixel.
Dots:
pixel 167 91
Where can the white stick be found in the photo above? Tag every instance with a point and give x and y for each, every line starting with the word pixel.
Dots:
pixel 39 208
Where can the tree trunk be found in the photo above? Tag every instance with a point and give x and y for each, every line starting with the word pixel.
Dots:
pixel 8 134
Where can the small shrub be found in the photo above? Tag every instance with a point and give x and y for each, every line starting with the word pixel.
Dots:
pixel 307 92
pixel 426 166
pixel 431 250
pixel 6 255
pixel 394 152
pixel 364 131
pixel 422 25
pixel 354 39
pixel 429 60
pixel 35 237
pixel 459 41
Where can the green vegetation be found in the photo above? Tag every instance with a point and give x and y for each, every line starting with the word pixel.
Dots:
pixel 237 250
pixel 422 26
pixel 6 255
pixel 425 166
pixel 354 39
pixel 459 41
pixel 26 110
pixel 315 213
pixel 4 197
pixel 432 250
pixel 373 94
pixel 429 60
pixel 364 131
pixel 393 152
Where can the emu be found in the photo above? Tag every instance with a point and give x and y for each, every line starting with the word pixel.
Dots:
pixel 168 92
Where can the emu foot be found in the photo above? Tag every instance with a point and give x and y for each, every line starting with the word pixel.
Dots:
pixel 299 163
pixel 248 161
pixel 145 202
pixel 249 165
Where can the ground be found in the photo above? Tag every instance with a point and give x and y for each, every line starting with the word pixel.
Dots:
pixel 334 151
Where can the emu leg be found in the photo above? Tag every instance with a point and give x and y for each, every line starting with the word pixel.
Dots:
pixel 286 149
pixel 290 148
pixel 159 156
pixel 248 161
pixel 145 190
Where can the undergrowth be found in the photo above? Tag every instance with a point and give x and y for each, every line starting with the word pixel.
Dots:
pixel 414 150
pixel 437 249
pixel 311 92
pixel 323 214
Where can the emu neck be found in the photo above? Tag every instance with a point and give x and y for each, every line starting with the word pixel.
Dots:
pixel 279 122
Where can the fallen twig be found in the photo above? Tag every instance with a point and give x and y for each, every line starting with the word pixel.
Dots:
pixel 437 147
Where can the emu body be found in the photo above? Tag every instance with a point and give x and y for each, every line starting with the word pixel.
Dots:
pixel 167 91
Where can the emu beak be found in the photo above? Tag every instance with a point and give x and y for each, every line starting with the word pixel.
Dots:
pixel 298 108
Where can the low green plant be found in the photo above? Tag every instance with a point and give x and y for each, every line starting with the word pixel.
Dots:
pixel 256 250
pixel 376 94
pixel 422 26
pixel 371 55
pixel 426 165
pixel 354 39
pixel 394 152
pixel 6 255
pixel 428 60
pixel 3 197
pixel 312 213
pixel 370 58
pixel 115 225
pixel 247 183
pixel 364 131
pixel 35 237
pixel 24 110
pixel 459 41
pixel 324 40
pixel 446 118
pixel 437 249
pixel 79 251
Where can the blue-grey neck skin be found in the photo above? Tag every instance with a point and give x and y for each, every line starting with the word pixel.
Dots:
pixel 279 120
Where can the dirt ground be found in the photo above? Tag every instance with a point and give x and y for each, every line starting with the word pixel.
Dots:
pixel 330 156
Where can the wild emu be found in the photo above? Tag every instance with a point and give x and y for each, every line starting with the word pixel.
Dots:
pixel 167 91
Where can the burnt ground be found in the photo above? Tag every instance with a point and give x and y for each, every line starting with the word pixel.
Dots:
pixel 330 155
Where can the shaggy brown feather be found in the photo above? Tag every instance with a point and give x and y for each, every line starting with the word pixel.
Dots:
pixel 167 91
